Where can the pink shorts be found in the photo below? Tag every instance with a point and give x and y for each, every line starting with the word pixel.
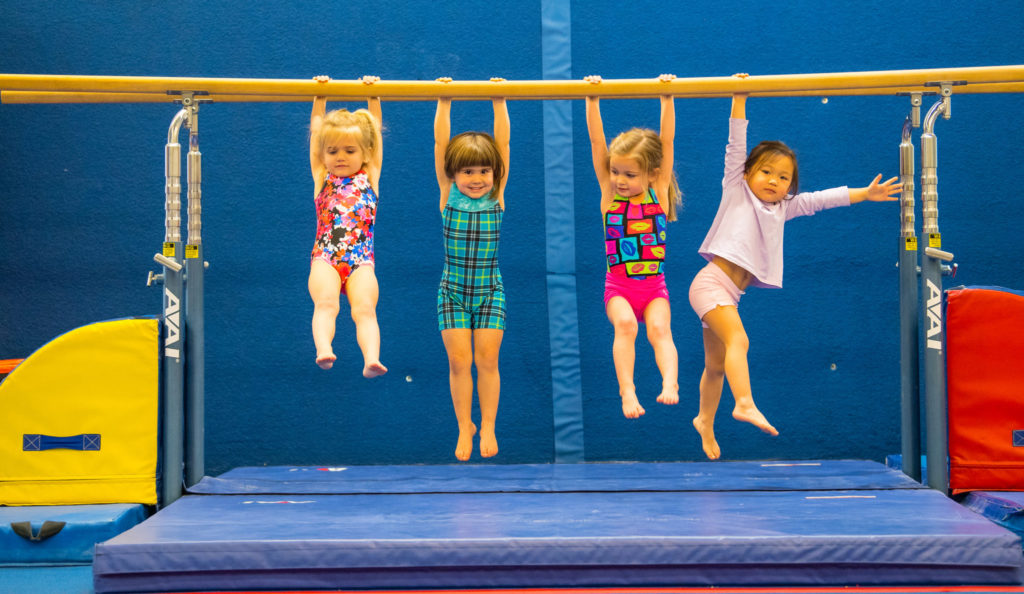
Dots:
pixel 712 288
pixel 638 292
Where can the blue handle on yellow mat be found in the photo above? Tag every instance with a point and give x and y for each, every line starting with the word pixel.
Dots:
pixel 34 442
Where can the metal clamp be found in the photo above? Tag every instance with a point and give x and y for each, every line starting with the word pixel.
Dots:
pixel 938 254
pixel 167 262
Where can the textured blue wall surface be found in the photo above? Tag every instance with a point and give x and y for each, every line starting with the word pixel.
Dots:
pixel 81 212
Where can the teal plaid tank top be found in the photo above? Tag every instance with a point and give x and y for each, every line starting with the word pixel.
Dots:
pixel 470 247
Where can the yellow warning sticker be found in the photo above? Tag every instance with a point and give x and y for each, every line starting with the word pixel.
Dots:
pixel 191 250
pixel 169 249
pixel 911 244
pixel 935 240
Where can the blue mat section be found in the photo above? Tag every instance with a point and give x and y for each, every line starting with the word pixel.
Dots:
pixel 477 540
pixel 668 476
pixel 48 579
pixel 85 525
pixel 1005 508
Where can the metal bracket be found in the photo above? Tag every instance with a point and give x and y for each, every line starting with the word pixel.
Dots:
pixel 915 109
pixel 946 91
pixel 191 98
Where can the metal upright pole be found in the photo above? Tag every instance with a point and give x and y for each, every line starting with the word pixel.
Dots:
pixel 173 340
pixel 194 318
pixel 910 397
pixel 931 289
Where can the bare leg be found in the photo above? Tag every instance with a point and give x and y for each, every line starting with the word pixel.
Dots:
pixel 486 344
pixel 658 318
pixel 458 343
pixel 711 381
pixel 324 288
pixel 725 323
pixel 620 314
pixel 362 294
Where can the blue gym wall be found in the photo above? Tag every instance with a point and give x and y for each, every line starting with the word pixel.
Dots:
pixel 81 212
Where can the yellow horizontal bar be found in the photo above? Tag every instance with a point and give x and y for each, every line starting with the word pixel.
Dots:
pixel 32 97
pixel 356 89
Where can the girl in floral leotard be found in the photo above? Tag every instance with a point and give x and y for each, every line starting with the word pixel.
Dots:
pixel 345 156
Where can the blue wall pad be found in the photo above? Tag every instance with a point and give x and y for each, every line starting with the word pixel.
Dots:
pixel 778 475
pixel 1005 508
pixel 480 540
pixel 84 526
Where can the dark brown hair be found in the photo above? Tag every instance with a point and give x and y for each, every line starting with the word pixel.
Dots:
pixel 474 149
pixel 769 149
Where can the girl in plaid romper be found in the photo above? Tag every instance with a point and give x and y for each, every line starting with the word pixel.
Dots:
pixel 471 173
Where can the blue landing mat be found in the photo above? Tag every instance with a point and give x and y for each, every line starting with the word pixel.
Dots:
pixel 625 476
pixel 493 540
pixel 46 579
pixel 84 526
pixel 1005 508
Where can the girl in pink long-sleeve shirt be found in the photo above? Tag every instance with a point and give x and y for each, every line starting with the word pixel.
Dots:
pixel 744 248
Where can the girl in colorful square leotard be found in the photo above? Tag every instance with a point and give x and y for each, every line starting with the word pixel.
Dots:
pixel 472 169
pixel 345 155
pixel 639 195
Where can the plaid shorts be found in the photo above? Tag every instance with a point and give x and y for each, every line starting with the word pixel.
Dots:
pixel 452 312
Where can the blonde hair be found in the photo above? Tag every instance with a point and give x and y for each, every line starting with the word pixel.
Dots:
pixel 644 145
pixel 474 149
pixel 359 124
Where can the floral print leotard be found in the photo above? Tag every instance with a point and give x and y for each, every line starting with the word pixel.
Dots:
pixel 346 209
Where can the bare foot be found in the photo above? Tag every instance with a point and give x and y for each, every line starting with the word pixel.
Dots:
pixel 488 443
pixel 707 438
pixel 750 414
pixel 669 395
pixel 464 449
pixel 374 369
pixel 631 408
pixel 326 360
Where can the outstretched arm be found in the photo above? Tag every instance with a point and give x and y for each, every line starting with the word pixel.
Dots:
pixel 598 146
pixel 316 120
pixel 877 192
pixel 668 137
pixel 373 106
pixel 502 135
pixel 739 101
pixel 442 134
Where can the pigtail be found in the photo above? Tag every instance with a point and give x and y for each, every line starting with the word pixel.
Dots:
pixel 675 198
pixel 371 130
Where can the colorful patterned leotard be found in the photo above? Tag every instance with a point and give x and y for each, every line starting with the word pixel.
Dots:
pixel 346 209
pixel 471 294
pixel 635 236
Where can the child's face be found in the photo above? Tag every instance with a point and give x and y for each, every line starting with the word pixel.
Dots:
pixel 475 181
pixel 627 177
pixel 769 180
pixel 343 156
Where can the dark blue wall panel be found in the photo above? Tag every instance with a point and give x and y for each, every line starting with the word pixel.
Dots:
pixel 81 212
